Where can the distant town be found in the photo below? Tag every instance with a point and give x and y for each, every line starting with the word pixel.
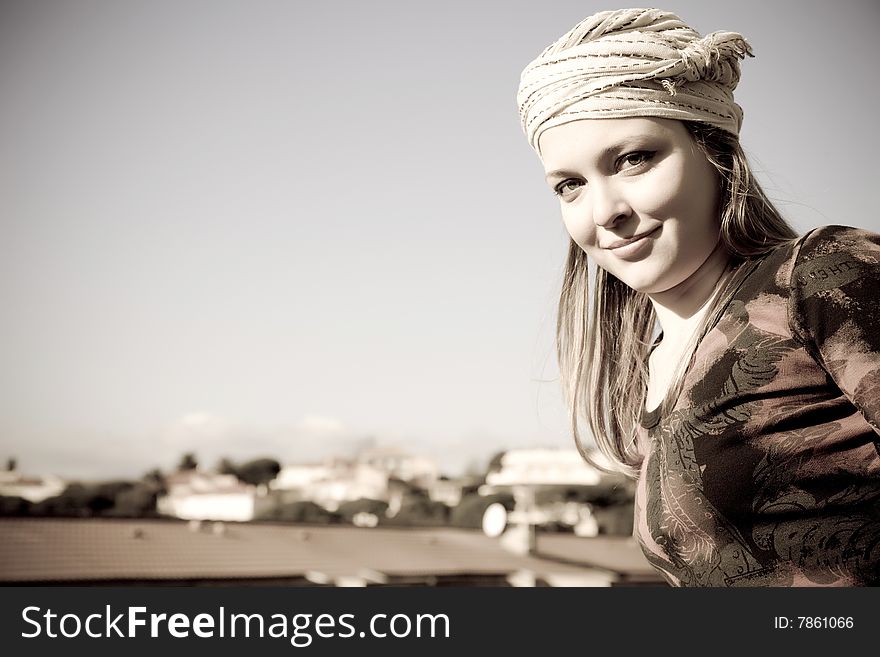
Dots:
pixel 526 499
pixel 376 486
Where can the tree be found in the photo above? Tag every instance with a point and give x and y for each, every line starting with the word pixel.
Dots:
pixel 156 480
pixel 11 464
pixel 82 499
pixel 420 511
pixel 227 466
pixel 187 462
pixel 258 471
pixel 139 501
pixel 495 462
pixel 72 501
pixel 14 506
pixel 300 512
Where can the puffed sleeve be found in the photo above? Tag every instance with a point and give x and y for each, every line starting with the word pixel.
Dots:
pixel 834 310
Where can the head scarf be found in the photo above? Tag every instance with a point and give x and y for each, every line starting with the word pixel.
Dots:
pixel 633 62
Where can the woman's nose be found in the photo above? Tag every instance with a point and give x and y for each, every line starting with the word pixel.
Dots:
pixel 609 205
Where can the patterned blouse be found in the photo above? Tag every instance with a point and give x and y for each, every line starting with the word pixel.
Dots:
pixel 766 472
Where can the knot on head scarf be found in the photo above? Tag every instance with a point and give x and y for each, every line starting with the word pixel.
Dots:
pixel 633 62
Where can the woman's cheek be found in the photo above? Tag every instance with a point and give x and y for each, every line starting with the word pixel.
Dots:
pixel 575 232
pixel 580 233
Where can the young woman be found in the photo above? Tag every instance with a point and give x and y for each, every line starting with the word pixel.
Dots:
pixel 752 421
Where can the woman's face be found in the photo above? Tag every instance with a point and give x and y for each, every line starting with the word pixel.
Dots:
pixel 637 195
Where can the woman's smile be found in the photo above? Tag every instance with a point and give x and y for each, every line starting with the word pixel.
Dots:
pixel 634 247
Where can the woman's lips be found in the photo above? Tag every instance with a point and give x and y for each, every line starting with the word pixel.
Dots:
pixel 632 245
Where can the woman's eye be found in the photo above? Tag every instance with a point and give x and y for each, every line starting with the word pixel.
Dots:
pixel 634 159
pixel 567 188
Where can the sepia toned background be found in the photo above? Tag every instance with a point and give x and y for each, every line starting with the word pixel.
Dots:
pixel 315 235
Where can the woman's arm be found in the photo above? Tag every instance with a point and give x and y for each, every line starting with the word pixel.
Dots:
pixel 834 310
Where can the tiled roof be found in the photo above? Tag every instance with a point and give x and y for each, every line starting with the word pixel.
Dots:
pixel 612 553
pixel 71 550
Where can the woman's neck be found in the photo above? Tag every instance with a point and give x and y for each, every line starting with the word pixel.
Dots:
pixel 680 308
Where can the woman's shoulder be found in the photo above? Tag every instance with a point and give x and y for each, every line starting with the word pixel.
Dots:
pixel 834 309
pixel 826 240
pixel 823 254
pixel 834 285
pixel 834 255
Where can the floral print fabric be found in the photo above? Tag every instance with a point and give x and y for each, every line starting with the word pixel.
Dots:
pixel 766 472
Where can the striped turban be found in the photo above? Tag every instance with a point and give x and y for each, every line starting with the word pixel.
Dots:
pixel 633 62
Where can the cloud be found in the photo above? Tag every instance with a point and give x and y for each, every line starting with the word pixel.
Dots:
pixel 196 428
pixel 317 424
pixel 212 437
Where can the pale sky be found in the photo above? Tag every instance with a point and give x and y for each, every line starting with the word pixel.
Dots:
pixel 253 228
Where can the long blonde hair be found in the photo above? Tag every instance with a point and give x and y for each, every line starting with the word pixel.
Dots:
pixel 602 347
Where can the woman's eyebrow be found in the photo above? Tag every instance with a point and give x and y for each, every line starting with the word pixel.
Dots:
pixel 622 145
pixel 560 173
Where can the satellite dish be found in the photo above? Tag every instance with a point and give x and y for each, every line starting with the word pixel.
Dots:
pixel 494 520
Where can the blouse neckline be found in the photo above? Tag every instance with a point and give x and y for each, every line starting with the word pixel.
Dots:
pixel 650 419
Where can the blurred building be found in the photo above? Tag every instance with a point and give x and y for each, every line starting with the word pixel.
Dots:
pixel 544 467
pixel 451 490
pixel 29 487
pixel 399 464
pixel 376 473
pixel 558 487
pixel 197 495
pixel 330 483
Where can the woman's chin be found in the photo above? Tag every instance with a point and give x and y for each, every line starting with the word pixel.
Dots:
pixel 644 283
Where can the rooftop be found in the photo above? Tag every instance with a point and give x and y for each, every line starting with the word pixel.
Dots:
pixel 85 550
